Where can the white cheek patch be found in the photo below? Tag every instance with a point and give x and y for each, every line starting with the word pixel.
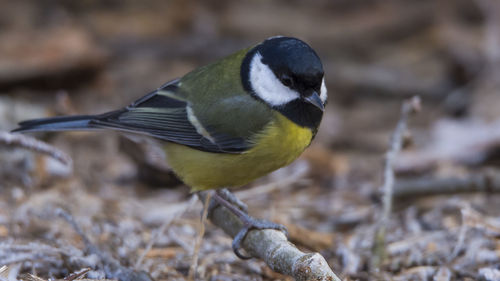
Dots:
pixel 267 86
pixel 323 93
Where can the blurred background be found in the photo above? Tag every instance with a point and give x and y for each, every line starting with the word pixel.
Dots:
pixel 87 57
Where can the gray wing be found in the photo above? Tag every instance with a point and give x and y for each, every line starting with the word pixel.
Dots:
pixel 166 116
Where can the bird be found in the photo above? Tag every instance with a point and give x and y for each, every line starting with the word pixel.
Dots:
pixel 228 123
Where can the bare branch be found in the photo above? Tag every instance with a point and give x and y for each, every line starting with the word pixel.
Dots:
pixel 274 249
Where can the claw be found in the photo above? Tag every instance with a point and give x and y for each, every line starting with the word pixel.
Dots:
pixel 238 239
pixel 284 230
pixel 249 222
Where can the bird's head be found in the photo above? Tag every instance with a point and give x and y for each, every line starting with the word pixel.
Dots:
pixel 287 74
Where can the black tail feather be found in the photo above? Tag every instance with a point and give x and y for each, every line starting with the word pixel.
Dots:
pixel 63 123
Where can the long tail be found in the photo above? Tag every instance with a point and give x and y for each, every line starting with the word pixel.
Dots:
pixel 63 123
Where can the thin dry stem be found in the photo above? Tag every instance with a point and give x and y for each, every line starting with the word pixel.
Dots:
pixel 77 275
pixel 410 106
pixel 488 181
pixel 199 239
pixel 3 269
pixel 24 141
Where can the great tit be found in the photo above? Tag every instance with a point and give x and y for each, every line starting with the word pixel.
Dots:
pixel 226 123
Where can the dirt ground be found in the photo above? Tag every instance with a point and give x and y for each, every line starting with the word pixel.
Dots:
pixel 87 57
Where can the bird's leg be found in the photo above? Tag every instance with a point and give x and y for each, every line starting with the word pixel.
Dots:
pixel 249 222
pixel 229 197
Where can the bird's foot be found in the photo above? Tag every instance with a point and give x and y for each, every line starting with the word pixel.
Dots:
pixel 249 222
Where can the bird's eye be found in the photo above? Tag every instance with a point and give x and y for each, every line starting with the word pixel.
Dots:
pixel 286 80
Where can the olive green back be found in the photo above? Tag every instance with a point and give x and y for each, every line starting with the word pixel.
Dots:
pixel 219 101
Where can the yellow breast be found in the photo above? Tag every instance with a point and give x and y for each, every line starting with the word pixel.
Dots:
pixel 281 142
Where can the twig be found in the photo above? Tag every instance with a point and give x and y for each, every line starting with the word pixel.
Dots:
pixel 77 275
pixel 24 141
pixel 274 249
pixel 410 106
pixel 3 270
pixel 482 182
pixel 199 239
pixel 112 268
pixel 462 234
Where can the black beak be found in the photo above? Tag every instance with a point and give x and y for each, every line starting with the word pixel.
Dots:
pixel 315 100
